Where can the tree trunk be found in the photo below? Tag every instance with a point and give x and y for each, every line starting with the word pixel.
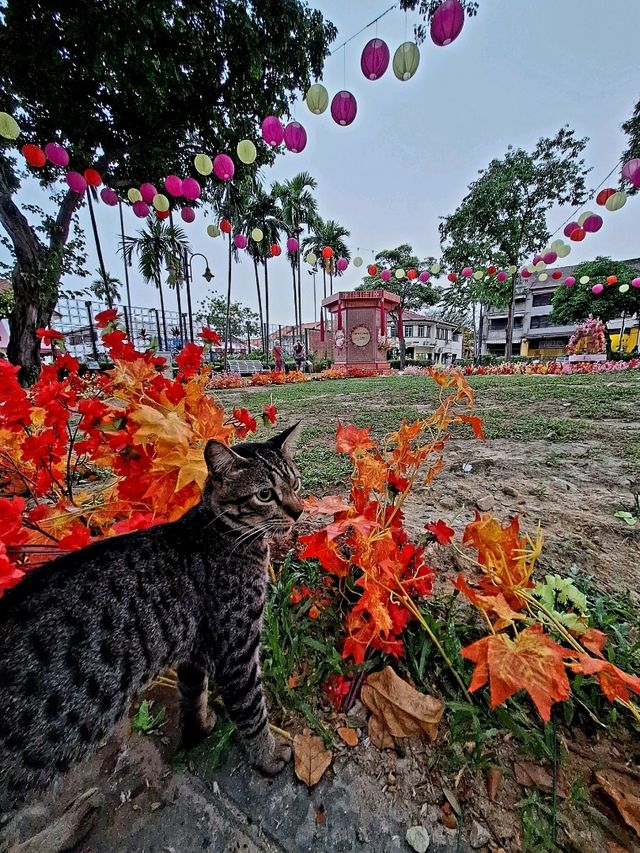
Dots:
pixel 403 351
pixel 508 349
pixel 162 312
pixel 227 322
pixel 295 298
pixel 324 279
pixel 299 284
pixel 179 301
pixel 266 305
pixel 476 335
pixel 480 329
pixel 255 269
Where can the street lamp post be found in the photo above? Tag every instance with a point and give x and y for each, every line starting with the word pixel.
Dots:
pixel 207 275
pixel 315 305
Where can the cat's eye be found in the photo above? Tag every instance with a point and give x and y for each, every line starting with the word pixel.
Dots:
pixel 265 495
pixel 297 485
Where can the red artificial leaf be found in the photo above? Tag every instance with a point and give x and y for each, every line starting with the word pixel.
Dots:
pixel 189 360
pixel 49 335
pixel 209 336
pixel 351 440
pixel 248 423
pixel 317 545
pixel 78 538
pixel 103 318
pixel 359 523
pixel 329 505
pixel 594 640
pixel 442 532
pixel 614 683
pixel 9 574
pixel 269 414
pixel 474 422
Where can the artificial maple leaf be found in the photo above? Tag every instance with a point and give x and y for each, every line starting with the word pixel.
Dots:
pixel 189 360
pixel 359 523
pixel 614 683
pixel 594 640
pixel 371 473
pixel 247 422
pixel 103 318
pixel 269 414
pixel 351 440
pixel 442 532
pixel 496 604
pixel 166 428
pixel 10 575
pixel 474 422
pixel 188 462
pixel 329 505
pixel 209 336
pixel 532 662
pixel 49 335
pixel 318 546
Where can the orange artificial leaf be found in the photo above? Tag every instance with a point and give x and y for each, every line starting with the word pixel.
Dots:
pixel 349 736
pixel 433 472
pixel 359 523
pixel 496 604
pixel 318 546
pixel 614 683
pixel 474 422
pixel 189 464
pixel 532 662
pixel 166 428
pixel 371 473
pixel 351 440
pixel 311 759
pixel 442 532
pixel 594 640
pixel 328 505
pixel 407 432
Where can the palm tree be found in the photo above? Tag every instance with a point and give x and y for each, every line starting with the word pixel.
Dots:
pixel 332 234
pixel 157 244
pixel 299 208
pixel 105 287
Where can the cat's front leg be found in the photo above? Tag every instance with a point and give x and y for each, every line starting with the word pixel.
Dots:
pixel 197 721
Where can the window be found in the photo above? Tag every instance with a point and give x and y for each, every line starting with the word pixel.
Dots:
pixel 429 331
pixel 408 331
pixel 542 299
pixel 456 336
pixel 441 334
pixel 517 322
pixel 553 343
pixel 541 322
pixel 421 331
pixel 498 323
pixel 393 332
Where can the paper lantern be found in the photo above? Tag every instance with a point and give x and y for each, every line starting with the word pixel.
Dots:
pixel 447 22
pixel 539 266
pixel 357 261
pixel 635 178
pixel 543 276
pixel 213 231
pixel 109 196
pixel 246 151
pixel 75 182
pixel 311 258
pixel 292 245
pixel 275 250
pixel 536 259
pixel 623 288
pixel 9 127
pixel 190 189
pixel 272 131
pixel 556 245
pixel 160 202
pixel 452 277
pixel 203 164
pixel 592 223
pixel 435 269
pixel 597 289
pixel 635 282
pixel 187 214
pixel 584 216
pixel 34 155
pixel 478 274
pixel 134 195
pixel 374 60
pixel 467 272
pixel 317 98
pixel 584 279
pixel 385 275
pixel 630 168
pixel 556 274
pixel 406 60
pixel 92 177
pixel 424 277
pixel 240 241
pixel 578 234
pixel 295 137
pixel 411 274
pixel 343 108
pixel 502 276
pixel 173 185
pixel 569 229
pixel 603 195
pixel 225 226
pixel 570 281
pixel 399 273
pixel 612 279
pixel 148 193
pixel 223 167
pixel 491 270
pixel 327 252
pixel 616 201
pixel 342 264
pixel 524 273
pixel 564 250
pixel 372 269
pixel 162 214
pixel 550 257
pixel 512 269
pixel 141 209
pixel 56 154
pixel 257 234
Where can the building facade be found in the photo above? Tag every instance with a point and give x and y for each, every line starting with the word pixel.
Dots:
pixel 534 333
pixel 427 339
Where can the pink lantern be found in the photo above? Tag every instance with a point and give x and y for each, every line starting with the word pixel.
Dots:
pixel 447 22
pixel 550 257
pixel 272 131
pixel 502 276
pixel 344 108
pixel 188 214
pixel 635 178
pixel 569 281
pixel 342 264
pixel 467 272
pixel 597 289
pixel 148 191
pixel 141 209
pixel 223 167
pixel 385 275
pixel 295 137
pixel 524 273
pixel 635 282
pixel 630 168
pixel 568 229
pixel 374 60
pixel 240 241
pixel 592 223
pixel 190 189
pixel 292 245
pixel 109 196
pixel 173 185
pixel 424 277
pixel 56 154
pixel 76 182
pixel 536 259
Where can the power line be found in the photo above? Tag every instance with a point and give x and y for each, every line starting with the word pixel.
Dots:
pixel 366 27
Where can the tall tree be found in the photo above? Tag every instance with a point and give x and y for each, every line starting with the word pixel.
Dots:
pixel 632 128
pixel 413 294
pixel 137 103
pixel 106 287
pixel 213 310
pixel 506 208
pixel 332 234
pixel 574 304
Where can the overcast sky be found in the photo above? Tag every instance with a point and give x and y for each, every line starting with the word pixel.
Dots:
pixel 520 70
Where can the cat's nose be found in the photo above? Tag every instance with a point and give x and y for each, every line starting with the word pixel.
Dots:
pixel 294 509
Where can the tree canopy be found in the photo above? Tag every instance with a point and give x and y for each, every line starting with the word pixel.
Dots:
pixel 213 310
pixel 574 304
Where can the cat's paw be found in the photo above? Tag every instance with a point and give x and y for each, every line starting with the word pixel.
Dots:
pixel 267 754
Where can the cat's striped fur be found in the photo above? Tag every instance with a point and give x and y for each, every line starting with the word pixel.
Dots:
pixel 80 636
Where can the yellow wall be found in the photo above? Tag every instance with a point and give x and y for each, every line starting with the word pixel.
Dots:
pixel 629 341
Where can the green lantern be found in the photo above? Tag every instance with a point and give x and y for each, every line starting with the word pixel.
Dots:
pixel 478 274
pixel 213 230
pixel 435 269
pixel 616 201
pixel 556 246
pixel 563 250
pixel 134 195
pixel 203 164
pixel 256 234
pixel 543 276
pixel 623 288
pixel 584 279
pixel 512 269
pixel 317 98
pixel 9 126
pixel 406 60
pixel 246 151
pixel 399 273
pixel 357 262
pixel 540 266
pixel 160 202
pixel 311 258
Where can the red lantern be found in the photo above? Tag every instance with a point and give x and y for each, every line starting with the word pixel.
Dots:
pixel 603 195
pixel 611 279
pixel 411 274
pixel 578 234
pixel 327 253
pixel 34 155
pixel 275 250
pixel 452 277
pixel 372 269
pixel 557 274
pixel 491 270
pixel 92 177
pixel 162 214
pixel 225 226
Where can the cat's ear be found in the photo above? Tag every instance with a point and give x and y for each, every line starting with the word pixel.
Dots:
pixel 220 458
pixel 287 440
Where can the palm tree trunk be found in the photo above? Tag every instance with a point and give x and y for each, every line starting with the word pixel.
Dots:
pixel 266 305
pixel 164 316
pixel 295 298
pixel 227 322
pixel 179 308
pixel 324 279
pixel 255 269
pixel 299 289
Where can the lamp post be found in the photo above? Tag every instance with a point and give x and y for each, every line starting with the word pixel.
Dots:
pixel 315 306
pixel 248 337
pixel 207 275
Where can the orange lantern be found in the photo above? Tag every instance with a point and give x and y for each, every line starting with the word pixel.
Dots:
pixel 162 214
pixel 92 177
pixel 556 274
pixel 452 277
pixel 327 253
pixel 411 274
pixel 603 195
pixel 275 250
pixel 611 279
pixel 225 226
pixel 491 270
pixel 578 234
pixel 372 269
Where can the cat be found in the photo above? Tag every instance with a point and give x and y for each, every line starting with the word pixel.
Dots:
pixel 81 635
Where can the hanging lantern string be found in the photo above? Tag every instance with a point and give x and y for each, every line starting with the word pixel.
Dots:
pixel 580 206
pixel 366 27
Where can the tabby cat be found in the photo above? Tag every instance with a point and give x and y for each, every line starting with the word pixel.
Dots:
pixel 81 635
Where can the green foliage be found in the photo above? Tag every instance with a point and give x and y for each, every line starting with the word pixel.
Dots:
pixel 106 284
pixel 564 601
pixel 213 311
pixel 414 295
pixel 7 302
pixel 145 722
pixel 536 811
pixel 574 304
pixel 632 128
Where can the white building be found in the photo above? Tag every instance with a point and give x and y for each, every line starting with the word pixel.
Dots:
pixel 427 339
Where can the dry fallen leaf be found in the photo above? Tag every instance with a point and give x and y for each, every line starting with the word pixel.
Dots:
pixel 349 736
pixel 397 709
pixel 623 790
pixel 292 681
pixel 531 775
pixel 311 759
pixel 494 777
pixel 321 815
pixel 450 821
